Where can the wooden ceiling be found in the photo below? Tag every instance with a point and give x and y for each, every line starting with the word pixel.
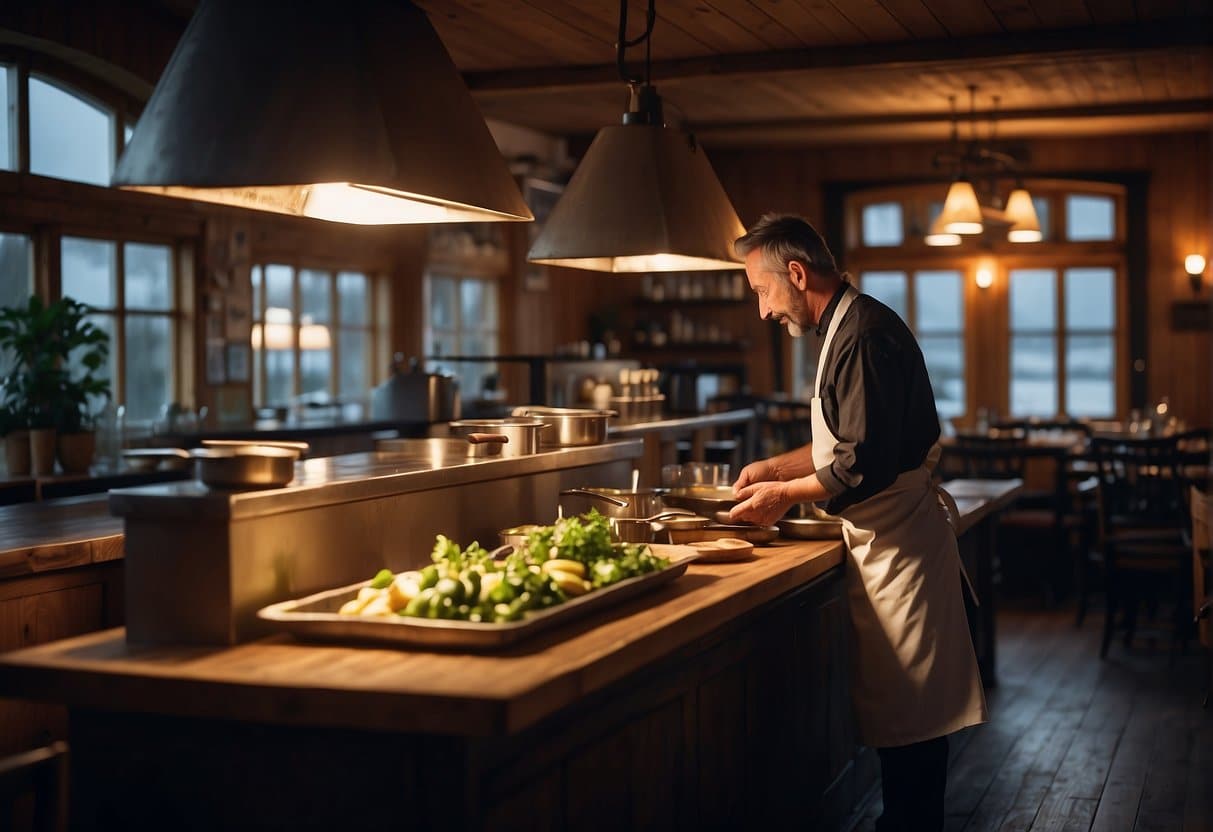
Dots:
pixel 764 72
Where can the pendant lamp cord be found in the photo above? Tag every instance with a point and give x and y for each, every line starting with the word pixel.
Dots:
pixel 622 45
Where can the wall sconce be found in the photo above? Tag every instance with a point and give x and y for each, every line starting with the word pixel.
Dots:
pixel 985 277
pixel 1194 265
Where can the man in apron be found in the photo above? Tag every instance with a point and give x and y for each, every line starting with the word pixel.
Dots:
pixel 875 434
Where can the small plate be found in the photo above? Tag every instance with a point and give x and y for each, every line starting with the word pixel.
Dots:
pixel 723 550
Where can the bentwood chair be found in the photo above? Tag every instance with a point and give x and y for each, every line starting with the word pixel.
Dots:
pixel 1142 531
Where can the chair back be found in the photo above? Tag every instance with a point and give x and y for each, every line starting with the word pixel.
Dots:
pixel 984 456
pixel 1200 506
pixel 1140 483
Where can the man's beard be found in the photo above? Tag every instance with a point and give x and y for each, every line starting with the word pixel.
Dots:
pixel 796 316
pixel 794 329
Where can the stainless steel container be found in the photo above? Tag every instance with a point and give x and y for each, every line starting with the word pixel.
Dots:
pixel 416 396
pixel 569 426
pixel 644 502
pixel 472 446
pixel 523 432
pixel 245 466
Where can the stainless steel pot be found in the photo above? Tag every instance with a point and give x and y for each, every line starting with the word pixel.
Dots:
pixel 522 432
pixel 570 426
pixel 244 466
pixel 472 446
pixel 639 529
pixel 416 396
pixel 613 502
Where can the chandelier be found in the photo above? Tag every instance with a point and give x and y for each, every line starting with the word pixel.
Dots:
pixel 977 164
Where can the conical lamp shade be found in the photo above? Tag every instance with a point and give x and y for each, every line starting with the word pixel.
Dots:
pixel 350 111
pixel 1025 225
pixel 936 236
pixel 644 199
pixel 961 210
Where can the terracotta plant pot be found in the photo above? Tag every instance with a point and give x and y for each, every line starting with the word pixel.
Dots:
pixel 76 451
pixel 16 453
pixel 42 451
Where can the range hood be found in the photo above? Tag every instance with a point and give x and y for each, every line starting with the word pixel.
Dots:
pixel 345 111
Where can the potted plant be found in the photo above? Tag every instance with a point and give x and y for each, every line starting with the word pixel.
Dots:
pixel 57 354
pixel 14 430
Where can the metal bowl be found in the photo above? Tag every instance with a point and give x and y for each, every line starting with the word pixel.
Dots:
pixel 810 528
pixel 516 536
pixel 569 426
pixel 613 502
pixel 522 432
pixel 702 499
pixel 471 446
pixel 244 466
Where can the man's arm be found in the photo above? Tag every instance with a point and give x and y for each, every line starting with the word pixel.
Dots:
pixel 795 463
pixel 765 502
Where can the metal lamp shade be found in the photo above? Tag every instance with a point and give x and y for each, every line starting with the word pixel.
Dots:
pixel 1025 225
pixel 961 210
pixel 936 236
pixel 351 112
pixel 644 199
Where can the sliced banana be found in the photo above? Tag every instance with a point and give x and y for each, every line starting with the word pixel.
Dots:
pixel 570 584
pixel 571 567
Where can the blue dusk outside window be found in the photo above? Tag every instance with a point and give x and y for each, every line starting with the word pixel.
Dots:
pixel 1033 311
pixel 1090 218
pixel 882 225
pixel 8 120
pixel 70 137
pixel 939 327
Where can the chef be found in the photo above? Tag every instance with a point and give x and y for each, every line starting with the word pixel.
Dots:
pixel 874 443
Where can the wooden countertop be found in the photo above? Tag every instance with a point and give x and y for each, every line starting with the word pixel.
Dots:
pixel 977 499
pixel 279 680
pixel 38 537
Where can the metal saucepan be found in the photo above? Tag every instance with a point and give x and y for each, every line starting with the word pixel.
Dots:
pixel 703 499
pixel 244 466
pixel 156 459
pixel 522 432
pixel 472 446
pixel 613 502
pixel 644 529
pixel 570 426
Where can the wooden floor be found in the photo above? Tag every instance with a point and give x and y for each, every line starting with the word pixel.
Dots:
pixel 1075 743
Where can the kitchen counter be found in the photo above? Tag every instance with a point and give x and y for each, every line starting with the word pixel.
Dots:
pixel 57 534
pixel 661 438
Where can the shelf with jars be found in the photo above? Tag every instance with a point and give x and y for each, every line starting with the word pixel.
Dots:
pixel 693 288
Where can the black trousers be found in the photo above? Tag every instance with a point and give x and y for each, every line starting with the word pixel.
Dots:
pixel 912 782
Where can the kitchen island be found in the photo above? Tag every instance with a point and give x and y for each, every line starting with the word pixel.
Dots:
pixel 719 700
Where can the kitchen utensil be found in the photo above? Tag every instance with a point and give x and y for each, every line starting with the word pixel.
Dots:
pixel 702 499
pixel 516 535
pixel 640 502
pixel 244 466
pixel 416 396
pixel 639 529
pixel 723 550
pixel 153 459
pixel 684 521
pixel 810 528
pixel 301 447
pixel 758 535
pixel 522 432
pixel 472 446
pixel 569 426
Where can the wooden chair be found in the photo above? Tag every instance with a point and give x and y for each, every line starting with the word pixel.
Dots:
pixel 40 775
pixel 1142 530
pixel 1202 578
pixel 982 456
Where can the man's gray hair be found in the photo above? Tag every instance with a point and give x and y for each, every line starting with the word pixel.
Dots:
pixel 783 238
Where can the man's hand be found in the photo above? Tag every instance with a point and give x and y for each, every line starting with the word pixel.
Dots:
pixel 762 502
pixel 760 471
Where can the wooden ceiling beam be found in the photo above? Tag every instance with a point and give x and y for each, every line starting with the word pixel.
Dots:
pixel 1057 43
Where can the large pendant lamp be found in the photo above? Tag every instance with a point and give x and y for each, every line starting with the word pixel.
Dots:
pixel 643 199
pixel 1021 213
pixel 961 210
pixel 351 112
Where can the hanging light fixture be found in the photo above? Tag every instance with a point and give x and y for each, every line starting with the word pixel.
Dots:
pixel 963 213
pixel 350 112
pixel 645 197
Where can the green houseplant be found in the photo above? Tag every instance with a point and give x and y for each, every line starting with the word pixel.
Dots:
pixel 57 355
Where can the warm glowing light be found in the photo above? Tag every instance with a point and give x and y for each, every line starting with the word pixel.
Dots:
pixel 1194 264
pixel 985 277
pixel 1025 225
pixel 936 236
pixel 639 263
pixel 314 337
pixel 961 210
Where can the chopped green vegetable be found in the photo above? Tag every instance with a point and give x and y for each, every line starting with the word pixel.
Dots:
pixel 383 579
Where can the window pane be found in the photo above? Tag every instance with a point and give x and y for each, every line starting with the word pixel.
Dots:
pixel 478 304
pixel 473 375
pixel 353 298
pixel 1090 384
pixel 442 302
pixel 8 121
pixel 149 277
pixel 889 288
pixel 1033 299
pixel 353 376
pixel 278 291
pixel 314 297
pixel 1041 204
pixel 89 271
pixel 69 137
pixel 1090 217
pixel 279 376
pixel 149 365
pixel 257 289
pixel 939 301
pixel 1033 376
pixel 105 371
pixel 882 224
pixel 16 269
pixel 1090 298
pixel 944 355
pixel 314 366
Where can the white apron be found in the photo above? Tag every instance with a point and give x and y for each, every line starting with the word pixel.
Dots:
pixel 914 674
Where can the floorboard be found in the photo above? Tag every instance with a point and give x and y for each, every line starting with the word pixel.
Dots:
pixel 1076 743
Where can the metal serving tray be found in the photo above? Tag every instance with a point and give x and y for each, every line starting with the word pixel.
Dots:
pixel 315 617
pixel 811 528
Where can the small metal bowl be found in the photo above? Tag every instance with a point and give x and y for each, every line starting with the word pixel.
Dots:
pixel 244 466
pixel 517 535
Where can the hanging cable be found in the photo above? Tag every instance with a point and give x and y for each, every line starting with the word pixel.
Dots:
pixel 623 44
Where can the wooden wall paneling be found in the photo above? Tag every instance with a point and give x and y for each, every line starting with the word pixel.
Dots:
pixel 715 28
pixel 801 20
pixel 917 19
pixel 1113 11
pixel 1061 14
pixel 766 24
pixel 874 22
pixel 670 38
pixel 961 18
pixel 1014 15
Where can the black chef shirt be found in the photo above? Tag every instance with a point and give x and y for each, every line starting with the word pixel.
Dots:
pixel 876 400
